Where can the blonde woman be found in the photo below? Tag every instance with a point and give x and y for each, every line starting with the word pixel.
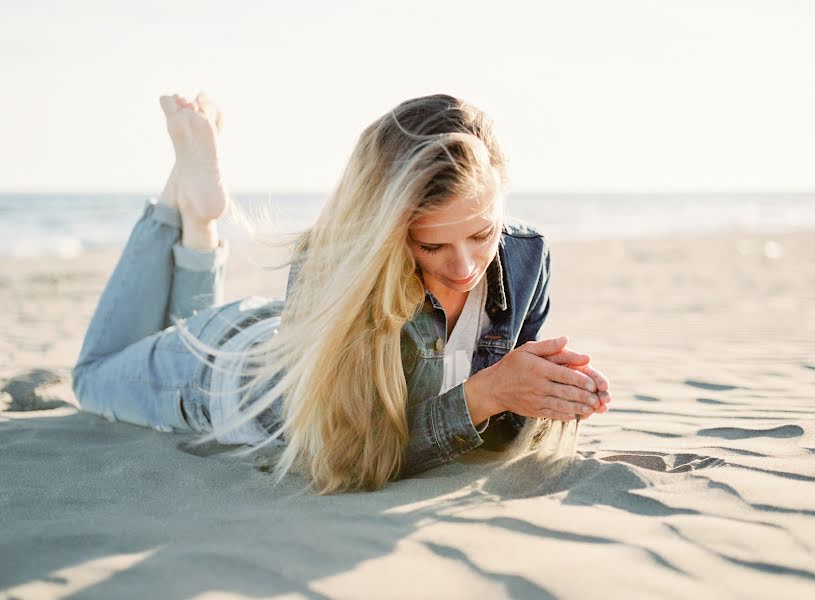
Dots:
pixel 409 333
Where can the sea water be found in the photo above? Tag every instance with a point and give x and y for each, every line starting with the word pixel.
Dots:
pixel 66 225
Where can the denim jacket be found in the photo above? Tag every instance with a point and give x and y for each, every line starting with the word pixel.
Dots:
pixel 517 303
pixel 440 427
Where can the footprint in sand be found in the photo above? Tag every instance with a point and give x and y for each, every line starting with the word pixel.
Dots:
pixel 667 463
pixel 742 433
pixel 718 387
pixel 709 401
pixel 39 389
pixel 662 434
pixel 204 450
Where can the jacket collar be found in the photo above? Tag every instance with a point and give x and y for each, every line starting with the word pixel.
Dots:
pixel 496 293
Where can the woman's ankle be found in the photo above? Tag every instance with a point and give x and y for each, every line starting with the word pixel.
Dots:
pixel 199 236
pixel 170 193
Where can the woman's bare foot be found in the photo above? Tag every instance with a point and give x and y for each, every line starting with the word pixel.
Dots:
pixel 195 185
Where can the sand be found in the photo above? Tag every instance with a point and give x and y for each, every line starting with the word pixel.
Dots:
pixel 698 483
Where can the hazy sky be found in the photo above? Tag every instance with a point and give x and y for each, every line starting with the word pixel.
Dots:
pixel 587 95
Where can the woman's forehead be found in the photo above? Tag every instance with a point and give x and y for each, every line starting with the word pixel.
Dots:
pixel 456 219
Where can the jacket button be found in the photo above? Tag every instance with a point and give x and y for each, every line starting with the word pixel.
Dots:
pixel 439 344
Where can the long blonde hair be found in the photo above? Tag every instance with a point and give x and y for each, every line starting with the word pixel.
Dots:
pixel 335 359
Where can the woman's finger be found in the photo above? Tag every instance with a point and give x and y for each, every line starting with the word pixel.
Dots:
pixel 571 393
pixel 566 375
pixel 599 379
pixel 567 406
pixel 569 357
pixel 545 348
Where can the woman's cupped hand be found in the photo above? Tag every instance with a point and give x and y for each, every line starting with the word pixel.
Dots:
pixel 546 379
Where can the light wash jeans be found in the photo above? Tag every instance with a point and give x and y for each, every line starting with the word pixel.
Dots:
pixel 133 365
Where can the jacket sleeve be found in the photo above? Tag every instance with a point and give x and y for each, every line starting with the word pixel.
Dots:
pixel 539 307
pixel 535 317
pixel 440 429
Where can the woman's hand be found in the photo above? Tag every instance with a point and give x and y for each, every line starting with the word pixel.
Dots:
pixel 578 361
pixel 527 383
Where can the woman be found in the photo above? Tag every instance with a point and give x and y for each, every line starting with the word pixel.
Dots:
pixel 409 330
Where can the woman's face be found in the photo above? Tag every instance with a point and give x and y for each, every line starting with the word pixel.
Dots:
pixel 454 245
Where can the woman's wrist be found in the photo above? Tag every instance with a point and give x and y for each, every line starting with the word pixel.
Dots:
pixel 481 402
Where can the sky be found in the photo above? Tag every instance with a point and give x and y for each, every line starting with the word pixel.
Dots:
pixel 586 95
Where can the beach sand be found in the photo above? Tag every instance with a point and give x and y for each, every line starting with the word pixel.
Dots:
pixel 698 483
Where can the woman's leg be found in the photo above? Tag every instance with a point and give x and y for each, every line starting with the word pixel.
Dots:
pixel 155 276
pixel 127 352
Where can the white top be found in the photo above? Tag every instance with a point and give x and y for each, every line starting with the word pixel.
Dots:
pixel 461 344
pixel 226 374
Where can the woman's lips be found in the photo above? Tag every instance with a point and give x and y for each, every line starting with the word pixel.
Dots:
pixel 464 281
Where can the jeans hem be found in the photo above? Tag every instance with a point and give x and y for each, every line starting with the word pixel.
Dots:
pixel 201 260
pixel 163 213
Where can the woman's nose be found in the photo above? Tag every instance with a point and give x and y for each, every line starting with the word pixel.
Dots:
pixel 462 267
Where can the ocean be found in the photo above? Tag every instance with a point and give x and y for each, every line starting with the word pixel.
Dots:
pixel 66 225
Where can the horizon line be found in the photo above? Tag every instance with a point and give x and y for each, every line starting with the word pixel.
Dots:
pixel 524 192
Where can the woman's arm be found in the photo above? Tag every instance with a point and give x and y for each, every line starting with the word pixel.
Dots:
pixel 530 330
pixel 442 427
pixel 522 382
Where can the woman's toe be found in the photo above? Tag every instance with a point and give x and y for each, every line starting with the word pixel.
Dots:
pixel 168 105
pixel 205 104
pixel 183 102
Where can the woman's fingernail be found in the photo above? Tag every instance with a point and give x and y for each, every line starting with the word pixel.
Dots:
pixel 586 409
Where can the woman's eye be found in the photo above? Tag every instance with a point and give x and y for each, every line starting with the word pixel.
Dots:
pixel 479 240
